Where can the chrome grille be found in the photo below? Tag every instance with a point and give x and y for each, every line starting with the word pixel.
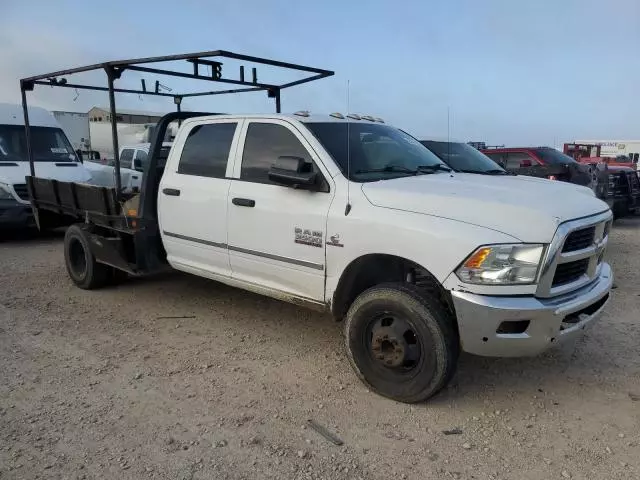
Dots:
pixel 570 272
pixel 21 190
pixel 579 239
pixel 634 183
pixel 571 261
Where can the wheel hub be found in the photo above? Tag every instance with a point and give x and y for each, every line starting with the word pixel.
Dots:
pixel 388 348
pixel 394 344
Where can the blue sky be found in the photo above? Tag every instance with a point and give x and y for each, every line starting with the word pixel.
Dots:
pixel 509 72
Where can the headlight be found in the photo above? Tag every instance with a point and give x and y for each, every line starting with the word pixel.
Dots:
pixel 515 264
pixel 5 192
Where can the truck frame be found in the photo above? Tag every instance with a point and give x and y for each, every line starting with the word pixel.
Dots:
pixel 122 228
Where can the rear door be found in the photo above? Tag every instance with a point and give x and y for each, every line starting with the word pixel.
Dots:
pixel 192 199
pixel 277 233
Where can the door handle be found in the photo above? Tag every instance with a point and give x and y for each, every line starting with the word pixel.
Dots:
pixel 244 202
pixel 174 192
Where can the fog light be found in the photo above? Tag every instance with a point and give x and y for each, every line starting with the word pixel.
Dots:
pixel 513 326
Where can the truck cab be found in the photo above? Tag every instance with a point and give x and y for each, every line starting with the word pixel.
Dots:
pixel 53 155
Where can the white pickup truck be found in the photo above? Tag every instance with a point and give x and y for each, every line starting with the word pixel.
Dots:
pixel 356 217
pixel 133 160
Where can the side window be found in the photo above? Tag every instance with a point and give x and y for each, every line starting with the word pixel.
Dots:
pixel 206 150
pixel 126 157
pixel 517 160
pixel 265 142
pixel 140 160
pixel 141 155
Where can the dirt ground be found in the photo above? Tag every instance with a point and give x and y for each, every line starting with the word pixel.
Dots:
pixel 111 384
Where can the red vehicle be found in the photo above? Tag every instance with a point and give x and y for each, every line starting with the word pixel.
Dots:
pixel 547 162
pixel 591 154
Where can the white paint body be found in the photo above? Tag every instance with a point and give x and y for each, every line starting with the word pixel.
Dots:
pixel 434 220
pixel 13 172
pixel 130 178
pixel 76 127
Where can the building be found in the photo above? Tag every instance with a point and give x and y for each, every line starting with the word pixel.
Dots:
pixel 614 148
pixel 92 130
pixel 102 115
pixel 76 126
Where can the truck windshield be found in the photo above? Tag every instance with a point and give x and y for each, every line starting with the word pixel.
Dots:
pixel 48 145
pixel 552 156
pixel 464 158
pixel 374 151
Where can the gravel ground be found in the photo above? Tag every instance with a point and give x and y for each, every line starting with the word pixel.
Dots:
pixel 179 377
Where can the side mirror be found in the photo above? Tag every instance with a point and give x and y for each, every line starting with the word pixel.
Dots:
pixel 293 172
pixel 79 155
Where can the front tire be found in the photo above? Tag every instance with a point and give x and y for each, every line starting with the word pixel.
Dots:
pixel 82 266
pixel 401 342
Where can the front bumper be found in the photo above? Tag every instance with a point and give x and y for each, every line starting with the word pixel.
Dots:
pixel 551 320
pixel 14 214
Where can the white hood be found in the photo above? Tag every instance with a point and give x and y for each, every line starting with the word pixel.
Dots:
pixel 14 172
pixel 525 208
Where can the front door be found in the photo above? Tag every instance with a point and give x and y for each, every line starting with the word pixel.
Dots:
pixel 277 234
pixel 192 199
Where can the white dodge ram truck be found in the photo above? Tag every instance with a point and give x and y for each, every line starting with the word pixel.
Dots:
pixel 357 217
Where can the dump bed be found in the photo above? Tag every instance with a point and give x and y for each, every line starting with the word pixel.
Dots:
pixel 58 203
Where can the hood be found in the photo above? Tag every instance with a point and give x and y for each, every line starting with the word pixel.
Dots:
pixel 14 172
pixel 526 208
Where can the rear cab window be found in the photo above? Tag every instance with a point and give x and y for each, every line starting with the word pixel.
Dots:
pixel 206 150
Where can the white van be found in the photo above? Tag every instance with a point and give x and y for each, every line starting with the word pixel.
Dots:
pixel 53 156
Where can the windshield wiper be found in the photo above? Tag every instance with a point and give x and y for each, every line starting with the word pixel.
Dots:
pixel 388 168
pixel 484 172
pixel 420 169
pixel 432 168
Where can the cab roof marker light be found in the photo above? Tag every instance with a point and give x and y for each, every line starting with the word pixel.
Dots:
pixel 354 116
pixel 337 115
pixel 302 113
pixel 369 118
